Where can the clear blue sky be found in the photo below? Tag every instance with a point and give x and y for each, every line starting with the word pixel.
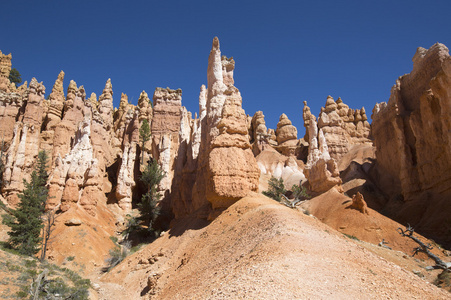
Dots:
pixel 285 51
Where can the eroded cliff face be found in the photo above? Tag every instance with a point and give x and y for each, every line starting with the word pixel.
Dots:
pixel 95 151
pixel 412 135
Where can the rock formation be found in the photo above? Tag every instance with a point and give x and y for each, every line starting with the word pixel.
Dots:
pixel 342 127
pixel 126 175
pixel 232 169
pixel 359 203
pixel 321 170
pixel 5 68
pixel 286 136
pixel 24 147
pixel 412 135
pixel 258 133
pixel 226 167
pixel 412 131
pixel 166 124
pixel 54 113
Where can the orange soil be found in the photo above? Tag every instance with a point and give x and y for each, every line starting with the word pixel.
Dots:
pixel 259 249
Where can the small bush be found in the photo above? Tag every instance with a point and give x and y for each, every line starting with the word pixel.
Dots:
pixel 352 237
pixel 117 254
pixel 70 258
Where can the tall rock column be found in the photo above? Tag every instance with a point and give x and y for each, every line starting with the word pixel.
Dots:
pixel 145 112
pixel 5 68
pixel 24 148
pixel 321 170
pixel 166 124
pixel 126 175
pixel 232 168
pixel 54 114
pixel 226 169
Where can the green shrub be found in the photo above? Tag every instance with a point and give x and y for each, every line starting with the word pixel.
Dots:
pixel 276 189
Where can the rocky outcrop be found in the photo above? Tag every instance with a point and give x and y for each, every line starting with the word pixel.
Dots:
pixel 79 168
pixel 232 168
pixel 5 68
pixel 412 131
pixel 126 175
pixel 105 106
pixel 286 136
pixel 321 170
pixel 10 104
pixel 358 203
pixel 166 124
pixel 226 167
pixel 57 100
pixel 54 114
pixel 412 135
pixel 186 170
pixel 258 133
pixel 24 148
pixel 342 127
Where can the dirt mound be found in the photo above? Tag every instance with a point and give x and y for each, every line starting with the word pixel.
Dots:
pixel 259 249
pixel 335 210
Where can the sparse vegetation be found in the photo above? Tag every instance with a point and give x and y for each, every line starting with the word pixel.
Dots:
pixel 444 280
pixel 34 280
pixel 117 254
pixel 352 237
pixel 278 192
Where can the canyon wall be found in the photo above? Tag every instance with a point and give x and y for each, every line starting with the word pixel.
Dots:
pixel 412 135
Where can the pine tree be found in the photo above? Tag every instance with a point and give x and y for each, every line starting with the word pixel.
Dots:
pixel 14 76
pixel 26 222
pixel 151 177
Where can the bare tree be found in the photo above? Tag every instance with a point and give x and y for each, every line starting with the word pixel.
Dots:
pixel 439 264
pixel 49 221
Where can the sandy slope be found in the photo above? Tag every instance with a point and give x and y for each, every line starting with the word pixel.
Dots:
pixel 259 249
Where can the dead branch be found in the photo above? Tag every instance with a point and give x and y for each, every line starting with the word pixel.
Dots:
pixel 384 244
pixel 38 284
pixel 291 203
pixel 439 264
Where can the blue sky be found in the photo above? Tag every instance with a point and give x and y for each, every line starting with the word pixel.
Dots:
pixel 285 51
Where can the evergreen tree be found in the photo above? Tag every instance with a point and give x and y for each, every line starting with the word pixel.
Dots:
pixel 276 189
pixel 26 222
pixel 144 136
pixel 14 76
pixel 151 177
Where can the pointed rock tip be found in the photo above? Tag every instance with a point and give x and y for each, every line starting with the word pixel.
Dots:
pixel 215 45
